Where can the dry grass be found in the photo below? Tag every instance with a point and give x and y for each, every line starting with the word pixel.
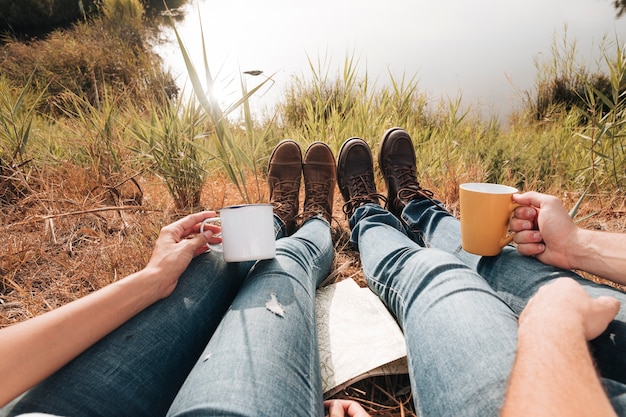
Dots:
pixel 67 236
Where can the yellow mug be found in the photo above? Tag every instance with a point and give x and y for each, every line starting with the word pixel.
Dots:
pixel 485 213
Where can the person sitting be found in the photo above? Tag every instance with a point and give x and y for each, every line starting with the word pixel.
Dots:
pixel 190 334
pixel 467 355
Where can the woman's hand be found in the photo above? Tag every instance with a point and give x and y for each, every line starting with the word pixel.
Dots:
pixel 36 348
pixel 344 408
pixel 177 245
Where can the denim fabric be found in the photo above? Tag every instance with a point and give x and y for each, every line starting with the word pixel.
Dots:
pixel 139 369
pixel 459 311
pixel 516 278
pixel 454 323
pixel 263 359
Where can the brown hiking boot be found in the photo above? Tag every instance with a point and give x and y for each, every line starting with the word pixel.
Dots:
pixel 320 174
pixel 355 175
pixel 284 172
pixel 396 160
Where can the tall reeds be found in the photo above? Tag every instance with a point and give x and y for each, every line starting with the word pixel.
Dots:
pixel 605 134
pixel 173 143
pixel 229 150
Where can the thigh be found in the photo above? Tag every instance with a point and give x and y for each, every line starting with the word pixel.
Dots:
pixel 461 337
pixel 516 278
pixel 616 392
pixel 137 369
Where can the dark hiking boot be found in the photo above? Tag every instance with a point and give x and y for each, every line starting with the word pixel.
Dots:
pixel 320 175
pixel 284 172
pixel 396 160
pixel 355 175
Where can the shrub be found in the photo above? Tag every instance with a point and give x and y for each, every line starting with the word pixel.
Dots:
pixel 89 58
pixel 38 17
pixel 173 141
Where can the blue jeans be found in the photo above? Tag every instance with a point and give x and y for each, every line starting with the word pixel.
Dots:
pixel 459 311
pixel 232 339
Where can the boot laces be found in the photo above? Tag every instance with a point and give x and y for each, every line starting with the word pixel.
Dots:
pixel 316 200
pixel 362 190
pixel 409 188
pixel 285 199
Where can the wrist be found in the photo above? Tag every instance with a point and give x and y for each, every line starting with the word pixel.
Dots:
pixel 142 286
pixel 582 250
pixel 541 336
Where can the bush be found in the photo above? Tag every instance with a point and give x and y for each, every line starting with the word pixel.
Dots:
pixel 37 17
pixel 108 52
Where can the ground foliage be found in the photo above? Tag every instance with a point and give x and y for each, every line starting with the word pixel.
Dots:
pixel 97 154
pixel 65 237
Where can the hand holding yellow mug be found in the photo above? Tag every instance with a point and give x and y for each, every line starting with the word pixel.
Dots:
pixel 485 213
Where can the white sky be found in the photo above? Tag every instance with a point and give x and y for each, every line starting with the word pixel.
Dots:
pixel 452 46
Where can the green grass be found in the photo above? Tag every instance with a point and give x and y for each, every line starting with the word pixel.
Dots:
pixel 570 133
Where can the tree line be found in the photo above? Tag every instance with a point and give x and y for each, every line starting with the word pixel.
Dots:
pixel 35 18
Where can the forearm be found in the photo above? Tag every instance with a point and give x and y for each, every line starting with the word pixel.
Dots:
pixel 32 350
pixel 600 253
pixel 554 375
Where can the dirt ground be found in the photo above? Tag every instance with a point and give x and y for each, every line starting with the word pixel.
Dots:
pixel 64 234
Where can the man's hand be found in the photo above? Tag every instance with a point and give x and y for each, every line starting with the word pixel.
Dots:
pixel 554 373
pixel 543 228
pixel 565 304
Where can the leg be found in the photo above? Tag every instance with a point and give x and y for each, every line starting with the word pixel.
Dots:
pixel 263 359
pixel 138 369
pixel 461 337
pixel 516 278
pixel 616 392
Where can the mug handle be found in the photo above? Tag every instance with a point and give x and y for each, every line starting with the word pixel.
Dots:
pixel 217 247
pixel 509 238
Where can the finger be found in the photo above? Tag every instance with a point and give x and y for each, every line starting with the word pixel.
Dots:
pixel 608 305
pixel 528 236
pixel 335 409
pixel 531 249
pixel 530 198
pixel 198 243
pixel 191 223
pixel 525 213
pixel 355 410
pixel 212 227
pixel 518 224
pixel 602 311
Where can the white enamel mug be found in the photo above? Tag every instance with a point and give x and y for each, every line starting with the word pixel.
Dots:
pixel 247 232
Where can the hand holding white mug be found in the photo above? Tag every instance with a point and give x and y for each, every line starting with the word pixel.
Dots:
pixel 175 248
pixel 247 232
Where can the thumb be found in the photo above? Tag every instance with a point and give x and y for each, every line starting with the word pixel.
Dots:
pixel 607 306
pixel 198 242
pixel 603 310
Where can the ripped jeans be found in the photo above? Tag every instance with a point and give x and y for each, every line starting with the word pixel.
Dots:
pixel 459 311
pixel 232 339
